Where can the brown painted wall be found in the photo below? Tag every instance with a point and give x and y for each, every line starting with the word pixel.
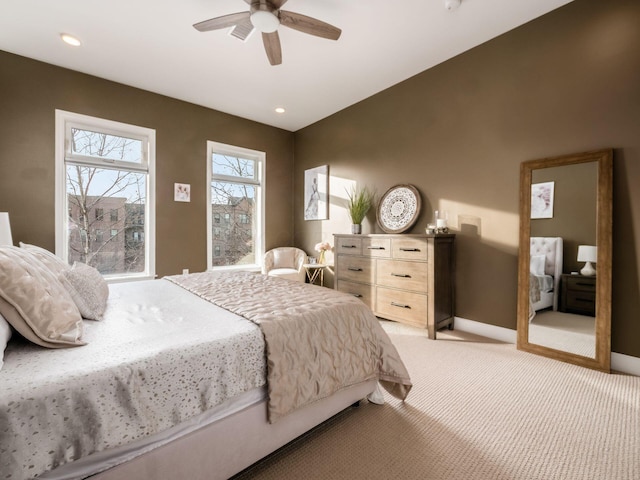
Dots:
pixel 567 82
pixel 30 91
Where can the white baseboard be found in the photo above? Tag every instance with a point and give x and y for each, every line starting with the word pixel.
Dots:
pixel 485 330
pixel 619 362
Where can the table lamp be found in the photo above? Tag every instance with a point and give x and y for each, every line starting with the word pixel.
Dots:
pixel 5 229
pixel 588 253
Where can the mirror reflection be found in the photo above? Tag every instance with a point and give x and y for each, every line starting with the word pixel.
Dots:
pixel 564 272
pixel 562 241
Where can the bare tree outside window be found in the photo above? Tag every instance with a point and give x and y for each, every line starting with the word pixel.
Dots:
pixel 93 190
pixel 233 200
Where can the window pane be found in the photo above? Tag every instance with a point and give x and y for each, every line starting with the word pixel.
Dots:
pixel 91 192
pixel 102 145
pixel 233 166
pixel 233 238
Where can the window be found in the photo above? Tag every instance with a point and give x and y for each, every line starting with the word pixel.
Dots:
pixel 236 200
pixel 104 166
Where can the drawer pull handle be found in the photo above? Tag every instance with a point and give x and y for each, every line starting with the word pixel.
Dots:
pixel 348 246
pixel 376 248
pixel 354 269
pixel 585 284
pixel 357 295
pixel 409 249
pixel 401 305
pixel 401 275
pixel 586 300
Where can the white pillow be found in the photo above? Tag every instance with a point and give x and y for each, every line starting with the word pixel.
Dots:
pixel 536 266
pixel 284 258
pixel 5 335
pixel 35 302
pixel 50 260
pixel 88 290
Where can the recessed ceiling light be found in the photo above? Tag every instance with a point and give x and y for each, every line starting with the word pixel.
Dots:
pixel 280 110
pixel 70 40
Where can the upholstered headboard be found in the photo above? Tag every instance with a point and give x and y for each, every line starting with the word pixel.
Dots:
pixel 551 247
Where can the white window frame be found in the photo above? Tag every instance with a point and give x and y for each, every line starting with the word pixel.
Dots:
pixel 64 122
pixel 258 181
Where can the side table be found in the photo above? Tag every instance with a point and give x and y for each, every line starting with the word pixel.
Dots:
pixel 315 271
pixel 578 294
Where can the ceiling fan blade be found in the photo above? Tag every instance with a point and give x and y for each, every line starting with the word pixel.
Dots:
pixel 243 29
pixel 272 47
pixel 221 22
pixel 309 25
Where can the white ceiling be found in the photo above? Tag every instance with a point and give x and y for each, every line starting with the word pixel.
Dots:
pixel 151 44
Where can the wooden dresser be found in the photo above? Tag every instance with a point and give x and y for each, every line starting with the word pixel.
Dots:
pixel 406 278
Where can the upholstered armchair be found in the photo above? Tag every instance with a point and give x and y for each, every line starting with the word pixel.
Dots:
pixel 285 262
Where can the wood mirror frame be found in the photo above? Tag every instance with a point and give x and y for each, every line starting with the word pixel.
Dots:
pixel 604 158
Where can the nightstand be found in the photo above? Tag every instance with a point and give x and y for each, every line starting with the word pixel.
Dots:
pixel 315 271
pixel 578 294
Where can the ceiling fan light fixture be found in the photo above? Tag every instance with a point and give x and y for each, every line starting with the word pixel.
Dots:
pixel 264 21
pixel 451 4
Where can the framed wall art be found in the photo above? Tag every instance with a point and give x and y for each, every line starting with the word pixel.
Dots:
pixel 316 193
pixel 542 200
pixel 399 208
pixel 181 192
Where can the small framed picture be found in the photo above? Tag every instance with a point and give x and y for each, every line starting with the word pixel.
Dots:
pixel 181 192
pixel 542 200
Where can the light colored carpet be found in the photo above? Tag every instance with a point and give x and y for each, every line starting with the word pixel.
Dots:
pixel 479 410
pixel 564 331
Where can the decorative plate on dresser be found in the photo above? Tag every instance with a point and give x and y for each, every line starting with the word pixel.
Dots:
pixel 398 209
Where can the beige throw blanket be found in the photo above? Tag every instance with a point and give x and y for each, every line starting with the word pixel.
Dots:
pixel 318 340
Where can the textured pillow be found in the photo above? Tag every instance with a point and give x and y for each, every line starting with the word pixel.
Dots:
pixel 284 258
pixel 5 335
pixel 51 261
pixel 35 302
pixel 536 266
pixel 88 290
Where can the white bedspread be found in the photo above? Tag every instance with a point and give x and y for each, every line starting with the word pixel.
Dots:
pixel 55 403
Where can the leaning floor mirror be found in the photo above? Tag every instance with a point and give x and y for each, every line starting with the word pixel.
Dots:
pixel 564 264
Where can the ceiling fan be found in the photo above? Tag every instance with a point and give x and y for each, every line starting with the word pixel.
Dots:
pixel 266 16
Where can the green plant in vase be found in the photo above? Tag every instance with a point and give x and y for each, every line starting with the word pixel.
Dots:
pixel 360 201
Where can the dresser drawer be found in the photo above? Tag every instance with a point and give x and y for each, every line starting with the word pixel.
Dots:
pixel 409 249
pixel 402 306
pixel 580 283
pixel 376 247
pixel 402 274
pixel 348 246
pixel 357 269
pixel 360 290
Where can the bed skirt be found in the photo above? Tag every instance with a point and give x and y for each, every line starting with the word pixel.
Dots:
pixel 231 444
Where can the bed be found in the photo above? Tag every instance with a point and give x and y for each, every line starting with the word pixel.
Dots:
pixel 183 377
pixel 545 271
